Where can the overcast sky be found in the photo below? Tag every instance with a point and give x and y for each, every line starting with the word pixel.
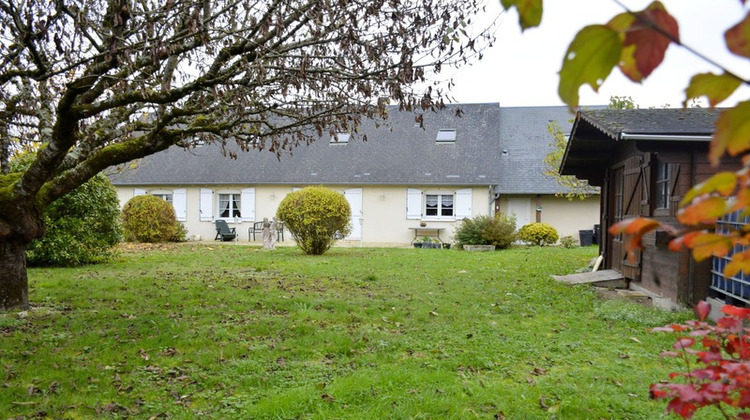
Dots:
pixel 521 68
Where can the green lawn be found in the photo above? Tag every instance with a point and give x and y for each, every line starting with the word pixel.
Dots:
pixel 228 331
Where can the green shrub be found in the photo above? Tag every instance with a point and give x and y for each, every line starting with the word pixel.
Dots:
pixel 147 218
pixel 539 234
pixel 81 227
pixel 315 216
pixel 498 230
pixel 568 241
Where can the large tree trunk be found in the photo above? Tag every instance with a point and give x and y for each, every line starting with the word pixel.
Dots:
pixel 13 280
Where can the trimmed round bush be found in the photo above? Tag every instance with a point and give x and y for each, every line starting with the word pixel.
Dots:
pixel 82 227
pixel 539 234
pixel 316 216
pixel 147 218
pixel 498 230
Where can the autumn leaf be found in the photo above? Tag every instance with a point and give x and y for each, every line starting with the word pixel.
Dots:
pixel 706 245
pixel 715 87
pixel 644 46
pixel 723 183
pixel 740 262
pixel 635 228
pixel 738 37
pixel 702 310
pixel 703 211
pixel 734 311
pixel 595 50
pixel 529 12
pixel 732 132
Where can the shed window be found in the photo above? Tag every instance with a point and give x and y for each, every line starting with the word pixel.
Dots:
pixel 446 136
pixel 662 184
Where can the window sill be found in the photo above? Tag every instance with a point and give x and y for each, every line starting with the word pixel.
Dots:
pixel 439 219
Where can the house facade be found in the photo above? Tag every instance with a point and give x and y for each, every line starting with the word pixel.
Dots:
pixel 524 190
pixel 645 160
pixel 448 169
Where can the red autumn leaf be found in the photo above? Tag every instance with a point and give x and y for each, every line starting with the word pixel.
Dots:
pixel 644 46
pixel 732 132
pixel 681 408
pixel 734 311
pixel 702 309
pixel 715 87
pixel 738 37
pixel 683 342
pixel 705 211
pixel 723 183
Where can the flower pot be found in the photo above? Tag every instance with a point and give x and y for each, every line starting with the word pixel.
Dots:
pixel 417 244
pixel 446 246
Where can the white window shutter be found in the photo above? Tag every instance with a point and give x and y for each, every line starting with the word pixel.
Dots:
pixel 247 204
pixel 179 202
pixel 138 191
pixel 413 203
pixel 463 203
pixel 207 205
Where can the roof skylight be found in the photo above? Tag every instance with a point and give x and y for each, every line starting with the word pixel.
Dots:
pixel 445 135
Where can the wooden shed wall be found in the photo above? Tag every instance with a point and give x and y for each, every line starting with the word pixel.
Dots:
pixel 671 274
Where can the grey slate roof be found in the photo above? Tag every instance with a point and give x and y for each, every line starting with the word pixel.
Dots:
pixel 402 154
pixel 525 142
pixel 690 121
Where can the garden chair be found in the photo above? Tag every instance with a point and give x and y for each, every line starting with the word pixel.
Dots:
pixel 223 232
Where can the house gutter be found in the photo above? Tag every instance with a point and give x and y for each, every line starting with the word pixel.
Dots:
pixel 665 137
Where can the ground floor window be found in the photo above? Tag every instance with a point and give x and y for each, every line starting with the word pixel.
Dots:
pixel 229 206
pixel 164 196
pixel 734 289
pixel 438 205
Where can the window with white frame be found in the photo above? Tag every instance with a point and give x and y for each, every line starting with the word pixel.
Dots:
pixel 229 206
pixel 177 198
pixel 166 196
pixel 438 205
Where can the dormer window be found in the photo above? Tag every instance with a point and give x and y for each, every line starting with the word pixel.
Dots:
pixel 446 136
pixel 340 138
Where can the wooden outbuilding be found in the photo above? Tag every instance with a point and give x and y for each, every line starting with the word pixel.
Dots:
pixel 645 160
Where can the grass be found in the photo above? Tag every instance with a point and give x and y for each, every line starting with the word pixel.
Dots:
pixel 228 331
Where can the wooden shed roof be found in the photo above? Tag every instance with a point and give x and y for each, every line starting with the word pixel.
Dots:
pixel 596 134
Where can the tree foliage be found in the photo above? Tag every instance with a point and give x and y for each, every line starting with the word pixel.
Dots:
pixel 91 84
pixel 316 216
pixel 574 187
pixel 83 226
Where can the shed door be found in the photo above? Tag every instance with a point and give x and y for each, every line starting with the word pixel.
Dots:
pixel 629 199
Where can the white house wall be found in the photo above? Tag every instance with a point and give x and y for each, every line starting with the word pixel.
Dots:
pixel 568 217
pixel 383 221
